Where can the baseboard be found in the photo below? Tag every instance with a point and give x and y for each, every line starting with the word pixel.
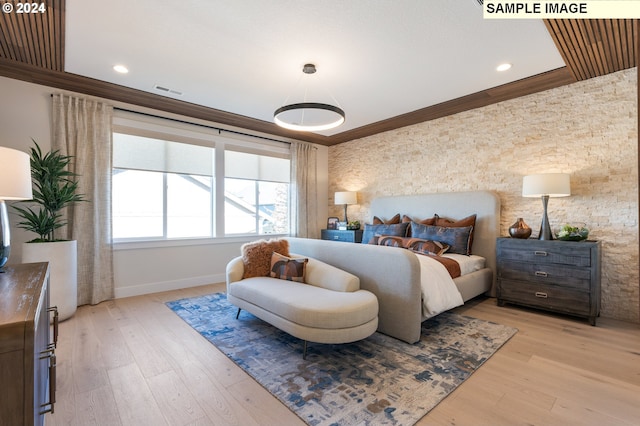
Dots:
pixel 158 287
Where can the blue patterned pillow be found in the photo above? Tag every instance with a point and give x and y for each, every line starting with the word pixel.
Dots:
pixel 370 231
pixel 459 239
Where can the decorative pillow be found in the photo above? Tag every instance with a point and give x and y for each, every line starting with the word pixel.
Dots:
pixel 458 238
pixel 287 268
pixel 370 231
pixel 467 221
pixel 391 241
pixel 435 248
pixel 256 256
pixel 392 221
pixel 427 221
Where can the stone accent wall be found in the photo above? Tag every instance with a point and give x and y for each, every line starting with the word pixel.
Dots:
pixel 588 129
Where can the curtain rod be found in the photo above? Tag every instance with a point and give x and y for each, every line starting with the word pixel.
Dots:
pixel 207 126
pixel 219 129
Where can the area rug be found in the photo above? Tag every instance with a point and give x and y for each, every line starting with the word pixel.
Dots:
pixel 376 381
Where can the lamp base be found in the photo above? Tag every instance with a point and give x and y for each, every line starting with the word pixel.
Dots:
pixel 345 215
pixel 545 229
pixel 5 237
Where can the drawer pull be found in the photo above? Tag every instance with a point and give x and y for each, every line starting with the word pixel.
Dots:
pixel 541 274
pixel 336 237
pixel 50 354
pixel 54 309
pixel 541 294
pixel 540 253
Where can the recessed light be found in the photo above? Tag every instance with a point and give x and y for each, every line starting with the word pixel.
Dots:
pixel 503 67
pixel 121 69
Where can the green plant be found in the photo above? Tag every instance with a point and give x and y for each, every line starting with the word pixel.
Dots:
pixel 54 188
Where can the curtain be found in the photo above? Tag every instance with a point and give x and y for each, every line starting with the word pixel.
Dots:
pixel 82 130
pixel 304 193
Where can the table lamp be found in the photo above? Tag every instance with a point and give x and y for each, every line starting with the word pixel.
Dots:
pixel 346 198
pixel 546 185
pixel 15 184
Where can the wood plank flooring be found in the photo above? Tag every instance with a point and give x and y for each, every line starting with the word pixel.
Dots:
pixel 134 362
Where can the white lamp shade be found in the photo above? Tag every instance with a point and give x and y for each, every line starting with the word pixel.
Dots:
pixel 551 184
pixel 347 197
pixel 15 175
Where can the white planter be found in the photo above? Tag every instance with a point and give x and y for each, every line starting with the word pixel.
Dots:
pixel 63 272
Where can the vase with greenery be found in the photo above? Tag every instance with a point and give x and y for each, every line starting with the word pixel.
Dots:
pixel 54 188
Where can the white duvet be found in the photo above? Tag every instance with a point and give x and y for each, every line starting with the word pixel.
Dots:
pixel 439 292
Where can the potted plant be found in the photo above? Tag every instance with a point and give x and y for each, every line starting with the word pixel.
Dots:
pixel 54 188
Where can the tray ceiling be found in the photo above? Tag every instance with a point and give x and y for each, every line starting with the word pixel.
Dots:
pixel 387 64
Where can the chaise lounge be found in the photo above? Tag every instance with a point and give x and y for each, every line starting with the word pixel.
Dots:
pixel 328 307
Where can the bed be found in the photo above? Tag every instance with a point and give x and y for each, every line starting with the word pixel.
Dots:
pixel 395 275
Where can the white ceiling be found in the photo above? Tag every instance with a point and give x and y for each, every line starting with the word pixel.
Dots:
pixel 377 58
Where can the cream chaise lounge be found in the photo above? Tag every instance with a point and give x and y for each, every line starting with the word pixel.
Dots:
pixel 329 307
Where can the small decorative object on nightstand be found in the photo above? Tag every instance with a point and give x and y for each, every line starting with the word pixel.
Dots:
pixel 558 276
pixel 347 236
pixel 520 229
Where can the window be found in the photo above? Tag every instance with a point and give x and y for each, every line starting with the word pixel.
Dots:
pixel 256 189
pixel 165 189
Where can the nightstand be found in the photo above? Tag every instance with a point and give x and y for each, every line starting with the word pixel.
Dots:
pixel 558 276
pixel 348 236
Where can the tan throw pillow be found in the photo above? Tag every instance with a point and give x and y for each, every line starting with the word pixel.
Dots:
pixel 394 220
pixel 427 221
pixel 256 256
pixel 287 268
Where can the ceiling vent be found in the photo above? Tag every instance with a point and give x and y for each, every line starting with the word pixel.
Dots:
pixel 167 90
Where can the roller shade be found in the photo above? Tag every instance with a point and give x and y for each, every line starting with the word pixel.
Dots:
pixel 141 153
pixel 242 165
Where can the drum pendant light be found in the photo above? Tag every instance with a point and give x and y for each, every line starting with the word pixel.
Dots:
pixel 309 116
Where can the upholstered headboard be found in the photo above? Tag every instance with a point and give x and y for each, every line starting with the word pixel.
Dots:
pixel 451 205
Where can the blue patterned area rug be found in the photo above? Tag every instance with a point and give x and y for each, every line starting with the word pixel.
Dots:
pixel 376 381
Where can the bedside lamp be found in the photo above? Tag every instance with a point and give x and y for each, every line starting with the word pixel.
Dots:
pixel 15 184
pixel 546 185
pixel 346 198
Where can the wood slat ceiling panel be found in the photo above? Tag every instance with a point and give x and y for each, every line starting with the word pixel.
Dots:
pixel 34 38
pixel 594 47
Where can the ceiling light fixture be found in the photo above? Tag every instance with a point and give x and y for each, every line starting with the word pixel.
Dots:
pixel 503 67
pixel 120 69
pixel 309 116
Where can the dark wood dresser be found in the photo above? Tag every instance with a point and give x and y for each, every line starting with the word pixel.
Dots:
pixel 27 351
pixel 558 276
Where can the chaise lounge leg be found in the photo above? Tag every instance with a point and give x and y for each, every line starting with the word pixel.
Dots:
pixel 304 351
pixel 238 314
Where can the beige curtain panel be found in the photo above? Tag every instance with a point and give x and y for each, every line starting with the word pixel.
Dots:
pixel 82 129
pixel 303 206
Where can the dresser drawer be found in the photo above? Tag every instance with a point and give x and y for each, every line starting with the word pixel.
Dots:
pixel 543 254
pixel 551 297
pixel 546 273
pixel 348 236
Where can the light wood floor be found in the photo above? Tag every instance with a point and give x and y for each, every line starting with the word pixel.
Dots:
pixel 133 362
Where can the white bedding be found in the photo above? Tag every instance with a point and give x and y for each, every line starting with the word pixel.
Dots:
pixel 468 264
pixel 439 292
